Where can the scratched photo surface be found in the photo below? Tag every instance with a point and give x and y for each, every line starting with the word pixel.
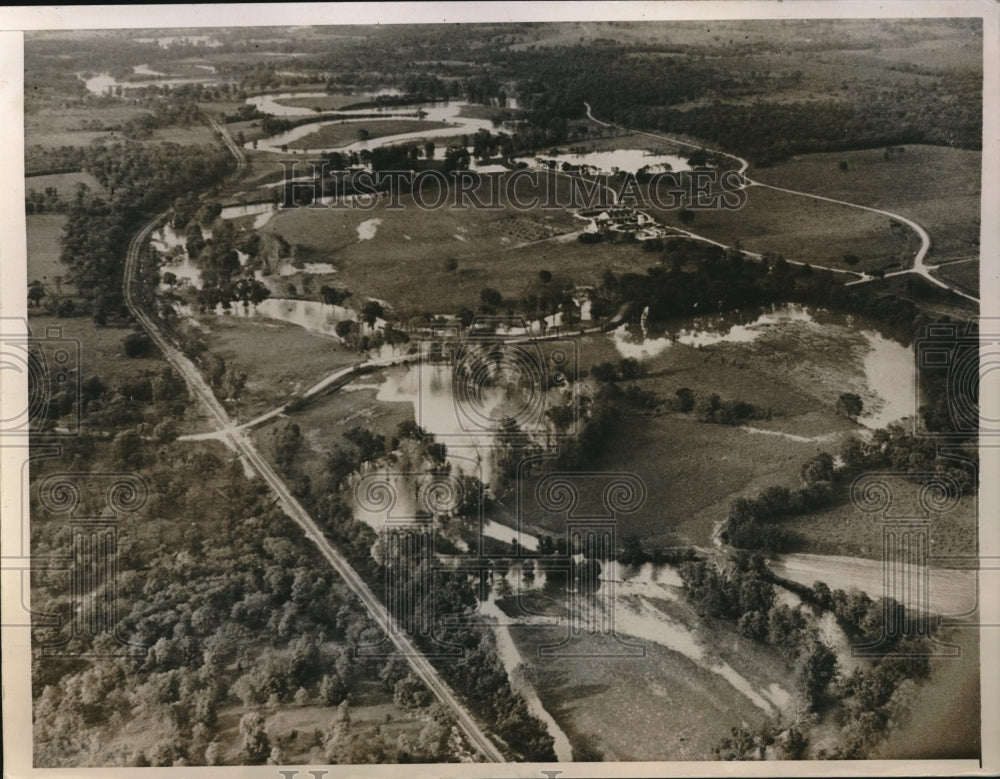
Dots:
pixel 503 392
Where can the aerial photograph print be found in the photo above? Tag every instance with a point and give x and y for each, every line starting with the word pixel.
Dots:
pixel 598 396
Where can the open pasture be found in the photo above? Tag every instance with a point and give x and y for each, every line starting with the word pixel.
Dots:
pixel 279 359
pixel 963 274
pixel 693 470
pixel 843 530
pixel 44 234
pixel 935 186
pixel 803 230
pixel 397 254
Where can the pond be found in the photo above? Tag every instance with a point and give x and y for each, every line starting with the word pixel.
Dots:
pixel 610 161
pixel 102 83
pixel 888 366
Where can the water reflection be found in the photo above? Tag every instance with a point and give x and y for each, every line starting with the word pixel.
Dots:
pixel 887 365
pixel 614 160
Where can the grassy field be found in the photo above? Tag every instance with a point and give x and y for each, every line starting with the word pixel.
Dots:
pixel 843 530
pixel 683 709
pixel 279 359
pixel 952 695
pixel 65 183
pixel 44 234
pixel 502 248
pixel 693 470
pixel 63 126
pixel 477 111
pixel 324 422
pixel 333 136
pixel 963 274
pixel 324 103
pixel 186 136
pixel 802 229
pixel 102 354
pixel 935 186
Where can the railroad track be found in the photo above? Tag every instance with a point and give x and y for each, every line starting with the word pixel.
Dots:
pixel 237 440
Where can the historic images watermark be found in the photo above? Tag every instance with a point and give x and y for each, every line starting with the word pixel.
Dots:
pixel 513 402
pixel 522 189
pixel 967 359
pixel 51 365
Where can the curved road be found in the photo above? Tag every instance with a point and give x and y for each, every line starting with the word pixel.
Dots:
pixel 236 438
pixel 918 268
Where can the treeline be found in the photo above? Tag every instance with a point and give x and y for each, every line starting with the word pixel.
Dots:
pixel 769 131
pixel 697 279
pixel 874 699
pixel 748 524
pixel 139 179
pixel 635 90
pixel 754 522
pixel 868 703
pixel 741 592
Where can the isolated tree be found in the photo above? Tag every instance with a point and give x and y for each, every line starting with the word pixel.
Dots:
pixel 332 690
pixel 371 311
pixel 794 745
pixel 545 276
pixel 410 693
pixel 345 328
pixel 490 297
pixel 35 293
pixel 686 216
pixel 256 744
pixel 817 469
pixel 818 668
pixel 685 399
pixel 137 345
pixel 850 405
pixel 333 296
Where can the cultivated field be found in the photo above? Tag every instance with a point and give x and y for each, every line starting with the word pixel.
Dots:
pixel 186 136
pixel 63 126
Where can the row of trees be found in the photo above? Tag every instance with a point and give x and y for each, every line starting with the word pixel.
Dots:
pixel 741 592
